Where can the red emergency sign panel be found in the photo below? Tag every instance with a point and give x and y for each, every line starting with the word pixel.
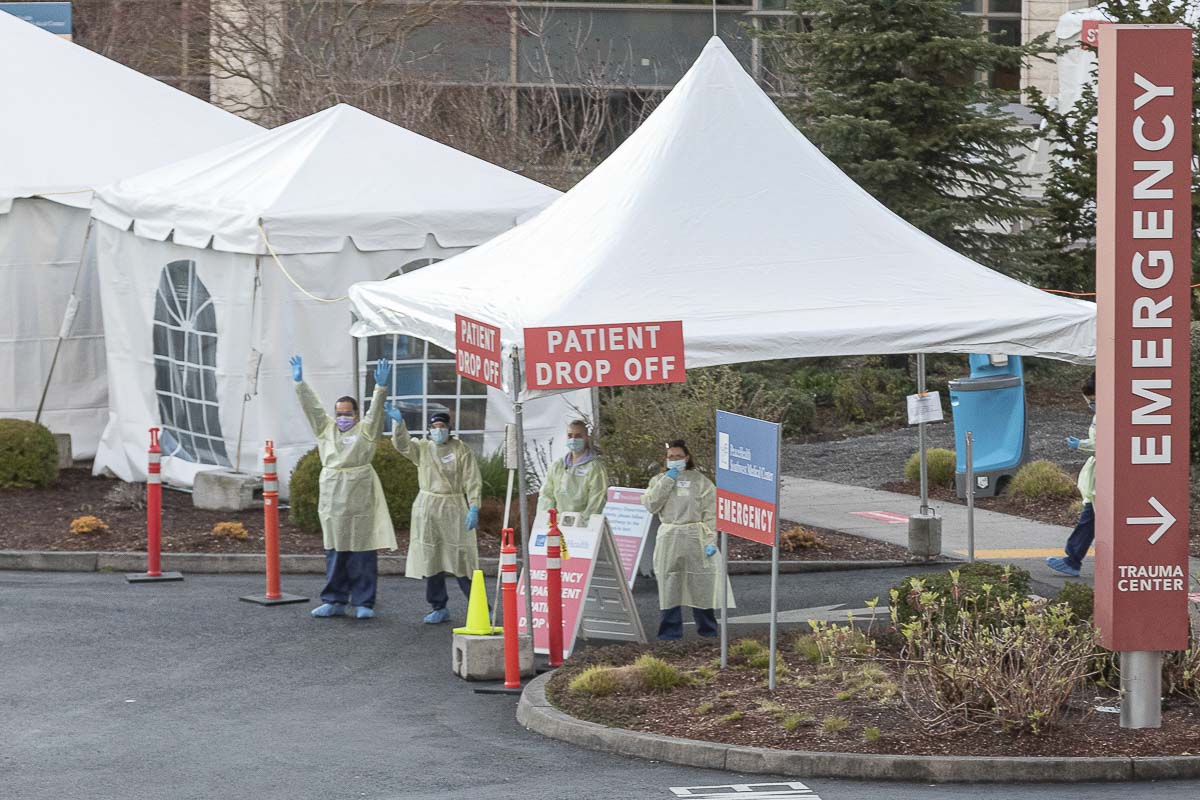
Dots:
pixel 747 517
pixel 1143 268
pixel 604 355
pixel 478 350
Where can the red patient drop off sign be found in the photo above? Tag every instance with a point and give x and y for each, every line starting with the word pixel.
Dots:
pixel 628 354
pixel 1143 306
pixel 478 350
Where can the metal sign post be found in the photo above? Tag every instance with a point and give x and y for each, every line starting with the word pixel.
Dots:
pixel 522 500
pixel 1143 380
pixel 748 503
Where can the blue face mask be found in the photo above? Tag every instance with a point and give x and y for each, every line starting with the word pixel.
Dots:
pixel 344 423
pixel 1091 405
pixel 576 445
pixel 439 435
pixel 680 465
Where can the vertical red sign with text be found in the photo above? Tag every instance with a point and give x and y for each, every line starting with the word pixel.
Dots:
pixel 1143 272
pixel 477 353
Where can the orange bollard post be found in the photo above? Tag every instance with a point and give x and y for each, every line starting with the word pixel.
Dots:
pixel 508 589
pixel 273 597
pixel 554 616
pixel 154 571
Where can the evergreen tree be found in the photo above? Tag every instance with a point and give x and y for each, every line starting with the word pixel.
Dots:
pixel 890 91
pixel 1063 241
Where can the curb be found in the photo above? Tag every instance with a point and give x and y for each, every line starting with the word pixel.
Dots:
pixel 535 713
pixel 92 561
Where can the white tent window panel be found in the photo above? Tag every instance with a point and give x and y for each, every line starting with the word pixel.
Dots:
pixel 425 382
pixel 185 367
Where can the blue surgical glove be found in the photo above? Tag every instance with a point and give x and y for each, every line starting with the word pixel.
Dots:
pixel 710 550
pixel 672 473
pixel 383 371
pixel 1072 443
pixel 473 518
pixel 297 368
pixel 394 413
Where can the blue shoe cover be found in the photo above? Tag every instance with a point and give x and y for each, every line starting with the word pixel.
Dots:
pixel 330 610
pixel 1060 565
pixel 437 616
pixel 364 612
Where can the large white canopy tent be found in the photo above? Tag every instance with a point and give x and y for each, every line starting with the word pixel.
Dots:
pixel 717 211
pixel 216 269
pixel 73 121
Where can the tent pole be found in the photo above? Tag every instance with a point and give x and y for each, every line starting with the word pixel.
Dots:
pixel 68 321
pixel 522 498
pixel 921 439
pixel 237 462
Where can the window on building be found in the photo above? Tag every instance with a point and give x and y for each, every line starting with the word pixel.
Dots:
pixel 185 367
pixel 425 382
pixel 1002 20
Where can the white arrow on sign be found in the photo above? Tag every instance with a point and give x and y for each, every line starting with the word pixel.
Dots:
pixel 1164 520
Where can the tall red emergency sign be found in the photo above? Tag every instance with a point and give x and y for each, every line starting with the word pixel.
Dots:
pixel 1143 272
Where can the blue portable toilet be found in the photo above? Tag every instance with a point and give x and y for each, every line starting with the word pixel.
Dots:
pixel 991 405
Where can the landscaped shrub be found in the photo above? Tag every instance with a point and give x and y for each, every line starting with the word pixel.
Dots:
pixel 968 586
pixel 1079 598
pixel 83 526
pixel 797 537
pixel 1041 480
pixel 28 455
pixel 396 473
pixel 657 675
pixel 231 530
pixel 871 394
pixel 1002 663
pixel 494 475
pixel 597 680
pixel 940 466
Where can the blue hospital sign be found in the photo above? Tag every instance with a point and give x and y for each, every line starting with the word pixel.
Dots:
pixel 52 17
pixel 747 477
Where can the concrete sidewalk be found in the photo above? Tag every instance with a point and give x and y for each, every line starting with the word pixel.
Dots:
pixel 880 515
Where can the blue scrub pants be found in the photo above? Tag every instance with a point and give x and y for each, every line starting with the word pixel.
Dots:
pixel 1082 537
pixel 435 589
pixel 670 626
pixel 351 577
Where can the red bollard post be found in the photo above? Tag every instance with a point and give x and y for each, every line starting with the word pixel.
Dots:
pixel 273 597
pixel 508 590
pixel 154 571
pixel 554 590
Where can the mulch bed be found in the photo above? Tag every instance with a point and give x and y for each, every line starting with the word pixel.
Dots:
pixel 805 690
pixel 1052 511
pixel 40 519
pixel 829 546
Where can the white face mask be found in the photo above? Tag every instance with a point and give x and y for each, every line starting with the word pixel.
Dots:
pixel 439 435
pixel 680 465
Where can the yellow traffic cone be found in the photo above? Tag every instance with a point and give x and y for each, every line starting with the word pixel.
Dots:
pixel 478 623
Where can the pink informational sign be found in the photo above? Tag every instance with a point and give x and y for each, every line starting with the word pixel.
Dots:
pixel 576 576
pixel 630 524
pixel 1143 304
pixel 1090 35
pixel 580 356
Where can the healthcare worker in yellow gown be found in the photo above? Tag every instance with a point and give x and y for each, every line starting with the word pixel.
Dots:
pixel 578 483
pixel 354 515
pixel 685 552
pixel 445 513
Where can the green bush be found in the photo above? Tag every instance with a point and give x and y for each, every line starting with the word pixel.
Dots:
pixel 28 455
pixel 871 394
pixel 1040 480
pixel 495 476
pixel 657 675
pixel 957 588
pixel 397 474
pixel 1079 598
pixel 596 680
pixel 940 464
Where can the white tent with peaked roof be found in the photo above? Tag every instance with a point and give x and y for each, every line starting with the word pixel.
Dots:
pixel 717 211
pixel 72 122
pixel 217 268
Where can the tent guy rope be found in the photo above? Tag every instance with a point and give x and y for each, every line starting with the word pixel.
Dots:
pixel 288 275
